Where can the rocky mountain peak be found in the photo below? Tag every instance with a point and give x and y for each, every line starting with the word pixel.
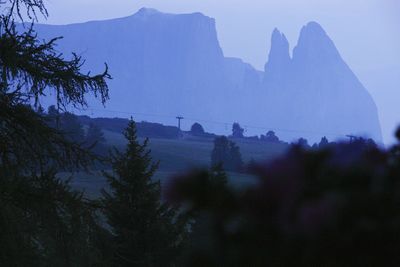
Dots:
pixel 315 47
pixel 144 11
pixel 173 64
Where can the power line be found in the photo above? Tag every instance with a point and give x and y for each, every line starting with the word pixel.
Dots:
pixel 267 128
pixel 220 123
pixel 132 113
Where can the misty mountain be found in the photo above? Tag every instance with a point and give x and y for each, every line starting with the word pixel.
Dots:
pixel 315 90
pixel 165 65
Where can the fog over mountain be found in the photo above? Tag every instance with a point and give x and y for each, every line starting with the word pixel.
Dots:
pixel 315 90
pixel 168 65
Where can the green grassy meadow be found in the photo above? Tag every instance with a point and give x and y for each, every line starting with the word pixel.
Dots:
pixel 177 156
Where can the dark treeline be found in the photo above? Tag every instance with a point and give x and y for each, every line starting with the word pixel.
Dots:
pixel 325 205
pixel 157 130
pixel 144 129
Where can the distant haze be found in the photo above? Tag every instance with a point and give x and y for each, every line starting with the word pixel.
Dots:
pixel 366 32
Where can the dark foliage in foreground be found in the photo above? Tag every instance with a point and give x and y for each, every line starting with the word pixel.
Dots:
pixel 43 221
pixel 333 206
pixel 337 206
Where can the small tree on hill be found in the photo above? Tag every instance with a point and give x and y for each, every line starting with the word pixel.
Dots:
pixel 145 230
pixel 197 129
pixel 271 137
pixel 237 131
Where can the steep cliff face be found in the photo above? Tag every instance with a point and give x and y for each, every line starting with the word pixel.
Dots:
pixel 164 64
pixel 315 92
pixel 160 63
pixel 278 64
pixel 170 65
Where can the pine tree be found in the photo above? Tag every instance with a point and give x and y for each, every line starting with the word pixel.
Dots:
pixel 271 137
pixel 43 221
pixel 145 230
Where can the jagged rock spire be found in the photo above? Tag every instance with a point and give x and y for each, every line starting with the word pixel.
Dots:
pixel 314 47
pixel 279 58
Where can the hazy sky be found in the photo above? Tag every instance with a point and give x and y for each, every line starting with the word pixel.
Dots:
pixel 366 32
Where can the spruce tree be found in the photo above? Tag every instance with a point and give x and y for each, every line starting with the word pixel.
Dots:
pixel 43 221
pixel 145 230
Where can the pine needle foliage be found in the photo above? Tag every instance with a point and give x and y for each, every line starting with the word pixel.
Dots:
pixel 146 231
pixel 43 221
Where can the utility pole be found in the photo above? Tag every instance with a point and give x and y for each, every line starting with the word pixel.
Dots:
pixel 179 118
